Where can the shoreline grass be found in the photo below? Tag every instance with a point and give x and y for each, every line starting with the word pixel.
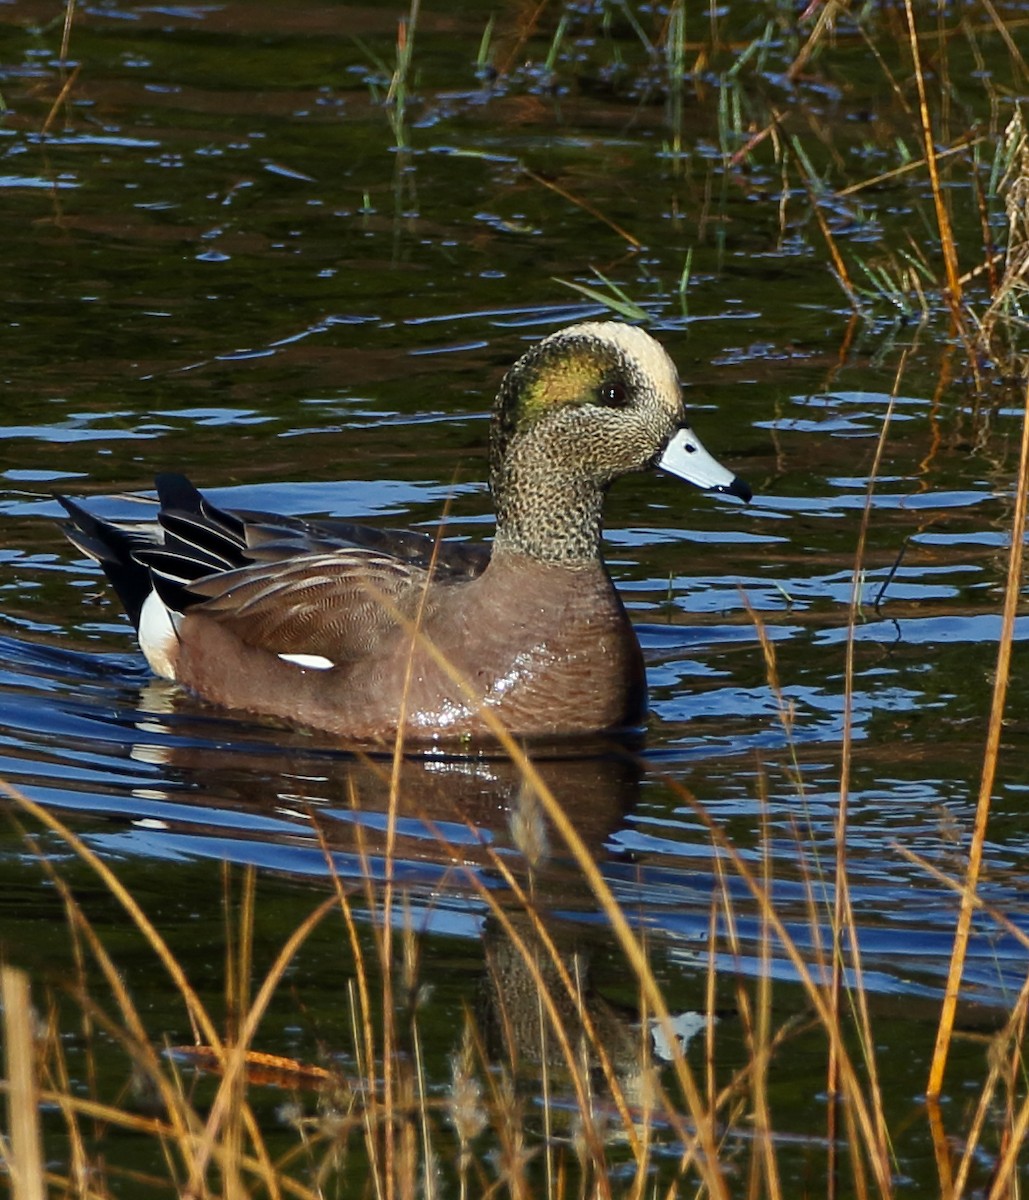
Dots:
pixel 392 1115
pixel 580 1126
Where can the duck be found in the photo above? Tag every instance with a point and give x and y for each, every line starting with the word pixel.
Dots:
pixel 372 634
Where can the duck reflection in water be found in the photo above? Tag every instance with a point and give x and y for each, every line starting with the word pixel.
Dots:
pixel 448 809
pixel 458 825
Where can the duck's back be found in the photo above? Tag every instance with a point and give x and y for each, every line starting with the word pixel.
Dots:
pixel 362 631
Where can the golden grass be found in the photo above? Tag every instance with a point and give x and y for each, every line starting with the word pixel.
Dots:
pixel 25 1148
pixel 388 1116
pixel 985 300
pixel 1012 595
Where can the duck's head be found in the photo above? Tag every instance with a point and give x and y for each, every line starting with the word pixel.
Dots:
pixel 584 406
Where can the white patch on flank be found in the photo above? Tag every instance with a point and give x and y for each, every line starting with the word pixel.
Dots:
pixel 157 637
pixel 317 662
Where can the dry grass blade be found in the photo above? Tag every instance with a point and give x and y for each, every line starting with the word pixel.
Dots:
pixel 25 1162
pixel 947 243
pixel 908 167
pixel 1010 1036
pixel 960 887
pixel 1006 36
pixel 66 87
pixel 385 928
pixel 762 1064
pixel 69 16
pixel 540 955
pixel 823 25
pixel 361 1008
pixel 839 266
pixel 1000 686
pixel 556 1025
pixel 843 915
pixel 1010 291
pixel 235 1056
pixel 111 881
pixel 128 1029
pixel 708 1159
pixel 134 1038
pixel 109 1114
pixel 585 205
pixel 858 1108
pixel 706 1141
pixel 1009 1162
pixel 547 1002
pixel 530 24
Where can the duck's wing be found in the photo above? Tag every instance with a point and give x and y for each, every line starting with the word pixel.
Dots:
pixel 322 588
pixel 271 538
pixel 337 605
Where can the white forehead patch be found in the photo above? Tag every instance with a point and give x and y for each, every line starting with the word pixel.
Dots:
pixel 645 352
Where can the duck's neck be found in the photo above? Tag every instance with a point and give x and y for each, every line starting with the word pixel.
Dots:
pixel 545 512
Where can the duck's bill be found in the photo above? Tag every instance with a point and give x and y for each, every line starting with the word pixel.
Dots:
pixel 685 457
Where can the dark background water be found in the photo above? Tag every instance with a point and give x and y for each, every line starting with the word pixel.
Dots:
pixel 221 256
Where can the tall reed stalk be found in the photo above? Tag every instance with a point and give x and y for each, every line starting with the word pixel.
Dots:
pixel 1001 678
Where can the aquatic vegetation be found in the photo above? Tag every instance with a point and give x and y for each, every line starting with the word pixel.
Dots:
pixel 262 255
pixel 775 94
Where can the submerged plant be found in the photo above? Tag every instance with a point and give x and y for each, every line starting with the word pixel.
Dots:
pixel 1009 301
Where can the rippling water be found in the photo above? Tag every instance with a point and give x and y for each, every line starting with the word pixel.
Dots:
pixel 219 264
pixel 167 778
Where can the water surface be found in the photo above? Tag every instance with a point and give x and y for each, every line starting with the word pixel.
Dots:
pixel 220 260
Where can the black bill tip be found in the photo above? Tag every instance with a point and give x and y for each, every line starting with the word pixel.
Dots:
pixel 739 488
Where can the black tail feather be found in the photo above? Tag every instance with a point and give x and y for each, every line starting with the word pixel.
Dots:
pixel 203 534
pixel 189 539
pixel 115 550
pixel 185 538
pixel 177 494
pixel 171 574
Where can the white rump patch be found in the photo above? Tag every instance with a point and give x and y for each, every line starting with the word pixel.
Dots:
pixel 157 636
pixel 316 662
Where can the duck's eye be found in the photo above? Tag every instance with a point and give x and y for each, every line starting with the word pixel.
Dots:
pixel 614 394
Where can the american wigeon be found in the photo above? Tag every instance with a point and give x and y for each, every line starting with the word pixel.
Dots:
pixel 363 631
